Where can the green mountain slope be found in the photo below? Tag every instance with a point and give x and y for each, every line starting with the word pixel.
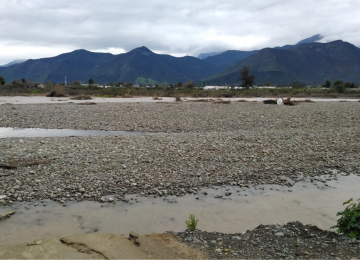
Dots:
pixel 308 63
pixel 226 59
pixel 104 68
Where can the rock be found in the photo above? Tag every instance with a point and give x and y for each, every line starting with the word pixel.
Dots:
pixel 196 241
pixel 228 193
pixel 290 182
pixel 236 237
pixel 3 197
pixel 279 234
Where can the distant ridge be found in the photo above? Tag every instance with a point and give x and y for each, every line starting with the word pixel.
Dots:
pixel 311 63
pixel 315 38
pixel 227 58
pixel 209 54
pixel 13 62
pixel 140 65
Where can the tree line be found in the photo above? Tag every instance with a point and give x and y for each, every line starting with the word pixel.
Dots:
pixel 246 78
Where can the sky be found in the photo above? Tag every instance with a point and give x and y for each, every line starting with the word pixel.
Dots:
pixel 32 29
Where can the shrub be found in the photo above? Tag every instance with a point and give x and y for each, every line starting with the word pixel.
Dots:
pixel 191 223
pixel 189 84
pixel 349 222
pixel 58 91
pixel 82 97
pixel 340 88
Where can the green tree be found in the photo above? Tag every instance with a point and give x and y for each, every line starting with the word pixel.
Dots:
pixel 349 84
pixel 76 83
pixel 338 82
pixel 91 81
pixel 327 84
pixel 2 80
pixel 248 80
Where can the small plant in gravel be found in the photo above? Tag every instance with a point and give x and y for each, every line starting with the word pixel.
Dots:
pixel 349 222
pixel 192 222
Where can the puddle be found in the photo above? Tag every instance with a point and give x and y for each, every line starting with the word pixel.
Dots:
pixel 7 132
pixel 236 213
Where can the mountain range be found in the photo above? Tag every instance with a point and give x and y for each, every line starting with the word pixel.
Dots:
pixel 138 65
pixel 307 61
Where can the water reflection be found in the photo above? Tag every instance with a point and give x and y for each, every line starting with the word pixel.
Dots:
pixel 7 132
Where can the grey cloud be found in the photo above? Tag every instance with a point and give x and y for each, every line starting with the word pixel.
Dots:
pixel 183 27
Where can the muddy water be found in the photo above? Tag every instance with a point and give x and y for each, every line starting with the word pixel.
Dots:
pixel 7 132
pixel 311 203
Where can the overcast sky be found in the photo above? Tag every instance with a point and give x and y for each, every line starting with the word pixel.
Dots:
pixel 46 28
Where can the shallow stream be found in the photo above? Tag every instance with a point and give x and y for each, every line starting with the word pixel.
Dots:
pixel 8 132
pixel 315 202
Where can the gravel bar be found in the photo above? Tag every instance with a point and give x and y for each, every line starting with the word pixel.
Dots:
pixel 199 145
pixel 204 145
pixel 291 241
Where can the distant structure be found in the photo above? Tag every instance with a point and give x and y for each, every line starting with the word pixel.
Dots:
pixel 65 81
pixel 215 87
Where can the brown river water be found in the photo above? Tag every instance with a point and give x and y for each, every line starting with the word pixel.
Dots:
pixel 310 203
